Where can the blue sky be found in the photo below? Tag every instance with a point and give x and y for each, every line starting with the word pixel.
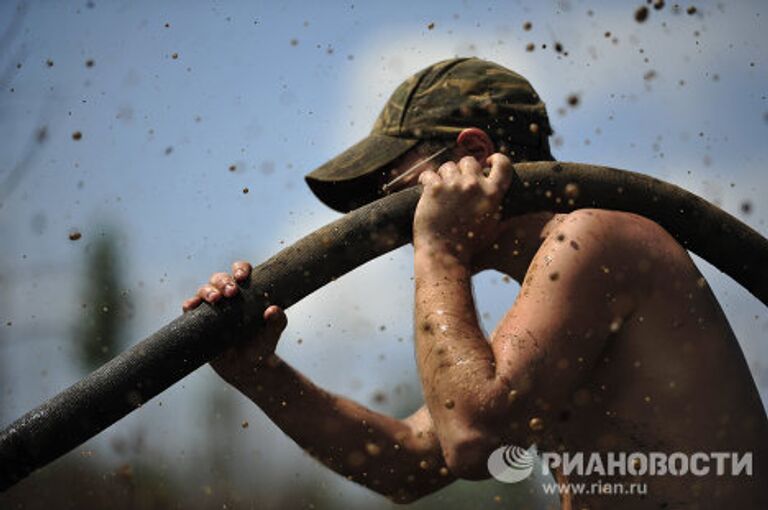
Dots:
pixel 277 88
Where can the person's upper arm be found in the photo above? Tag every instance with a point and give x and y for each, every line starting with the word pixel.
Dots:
pixel 576 293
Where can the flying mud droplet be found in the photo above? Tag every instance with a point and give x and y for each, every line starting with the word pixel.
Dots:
pixel 373 449
pixel 641 14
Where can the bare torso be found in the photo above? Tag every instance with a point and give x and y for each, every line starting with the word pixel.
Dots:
pixel 672 378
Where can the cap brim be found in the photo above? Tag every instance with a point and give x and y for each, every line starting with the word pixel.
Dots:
pixel 354 177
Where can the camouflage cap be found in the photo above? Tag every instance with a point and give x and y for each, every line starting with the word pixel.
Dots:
pixel 437 103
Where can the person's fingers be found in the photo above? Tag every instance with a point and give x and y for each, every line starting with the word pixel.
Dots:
pixel 276 321
pixel 241 270
pixel 501 171
pixel 209 293
pixel 429 177
pixel 275 318
pixel 448 171
pixel 191 303
pixel 224 283
pixel 468 165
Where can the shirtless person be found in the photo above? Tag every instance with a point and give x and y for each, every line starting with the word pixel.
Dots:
pixel 615 343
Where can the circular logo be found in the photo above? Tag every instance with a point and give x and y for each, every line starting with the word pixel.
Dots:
pixel 510 464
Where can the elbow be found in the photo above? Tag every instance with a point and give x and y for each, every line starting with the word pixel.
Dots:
pixel 466 455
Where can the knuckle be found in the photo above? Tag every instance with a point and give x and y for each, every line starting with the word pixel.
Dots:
pixel 218 278
pixel 501 159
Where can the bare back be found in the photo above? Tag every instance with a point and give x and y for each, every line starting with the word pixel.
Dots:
pixel 670 378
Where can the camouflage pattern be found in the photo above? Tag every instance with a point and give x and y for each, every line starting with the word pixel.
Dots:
pixel 437 103
pixel 445 98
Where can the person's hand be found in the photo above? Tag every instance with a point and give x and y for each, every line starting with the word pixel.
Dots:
pixel 245 355
pixel 460 209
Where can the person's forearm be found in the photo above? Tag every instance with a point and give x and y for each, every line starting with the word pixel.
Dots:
pixel 380 452
pixel 455 360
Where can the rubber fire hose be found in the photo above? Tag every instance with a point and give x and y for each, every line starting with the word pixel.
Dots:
pixel 135 376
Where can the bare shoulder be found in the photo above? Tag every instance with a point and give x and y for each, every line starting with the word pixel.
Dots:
pixel 609 251
pixel 619 233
